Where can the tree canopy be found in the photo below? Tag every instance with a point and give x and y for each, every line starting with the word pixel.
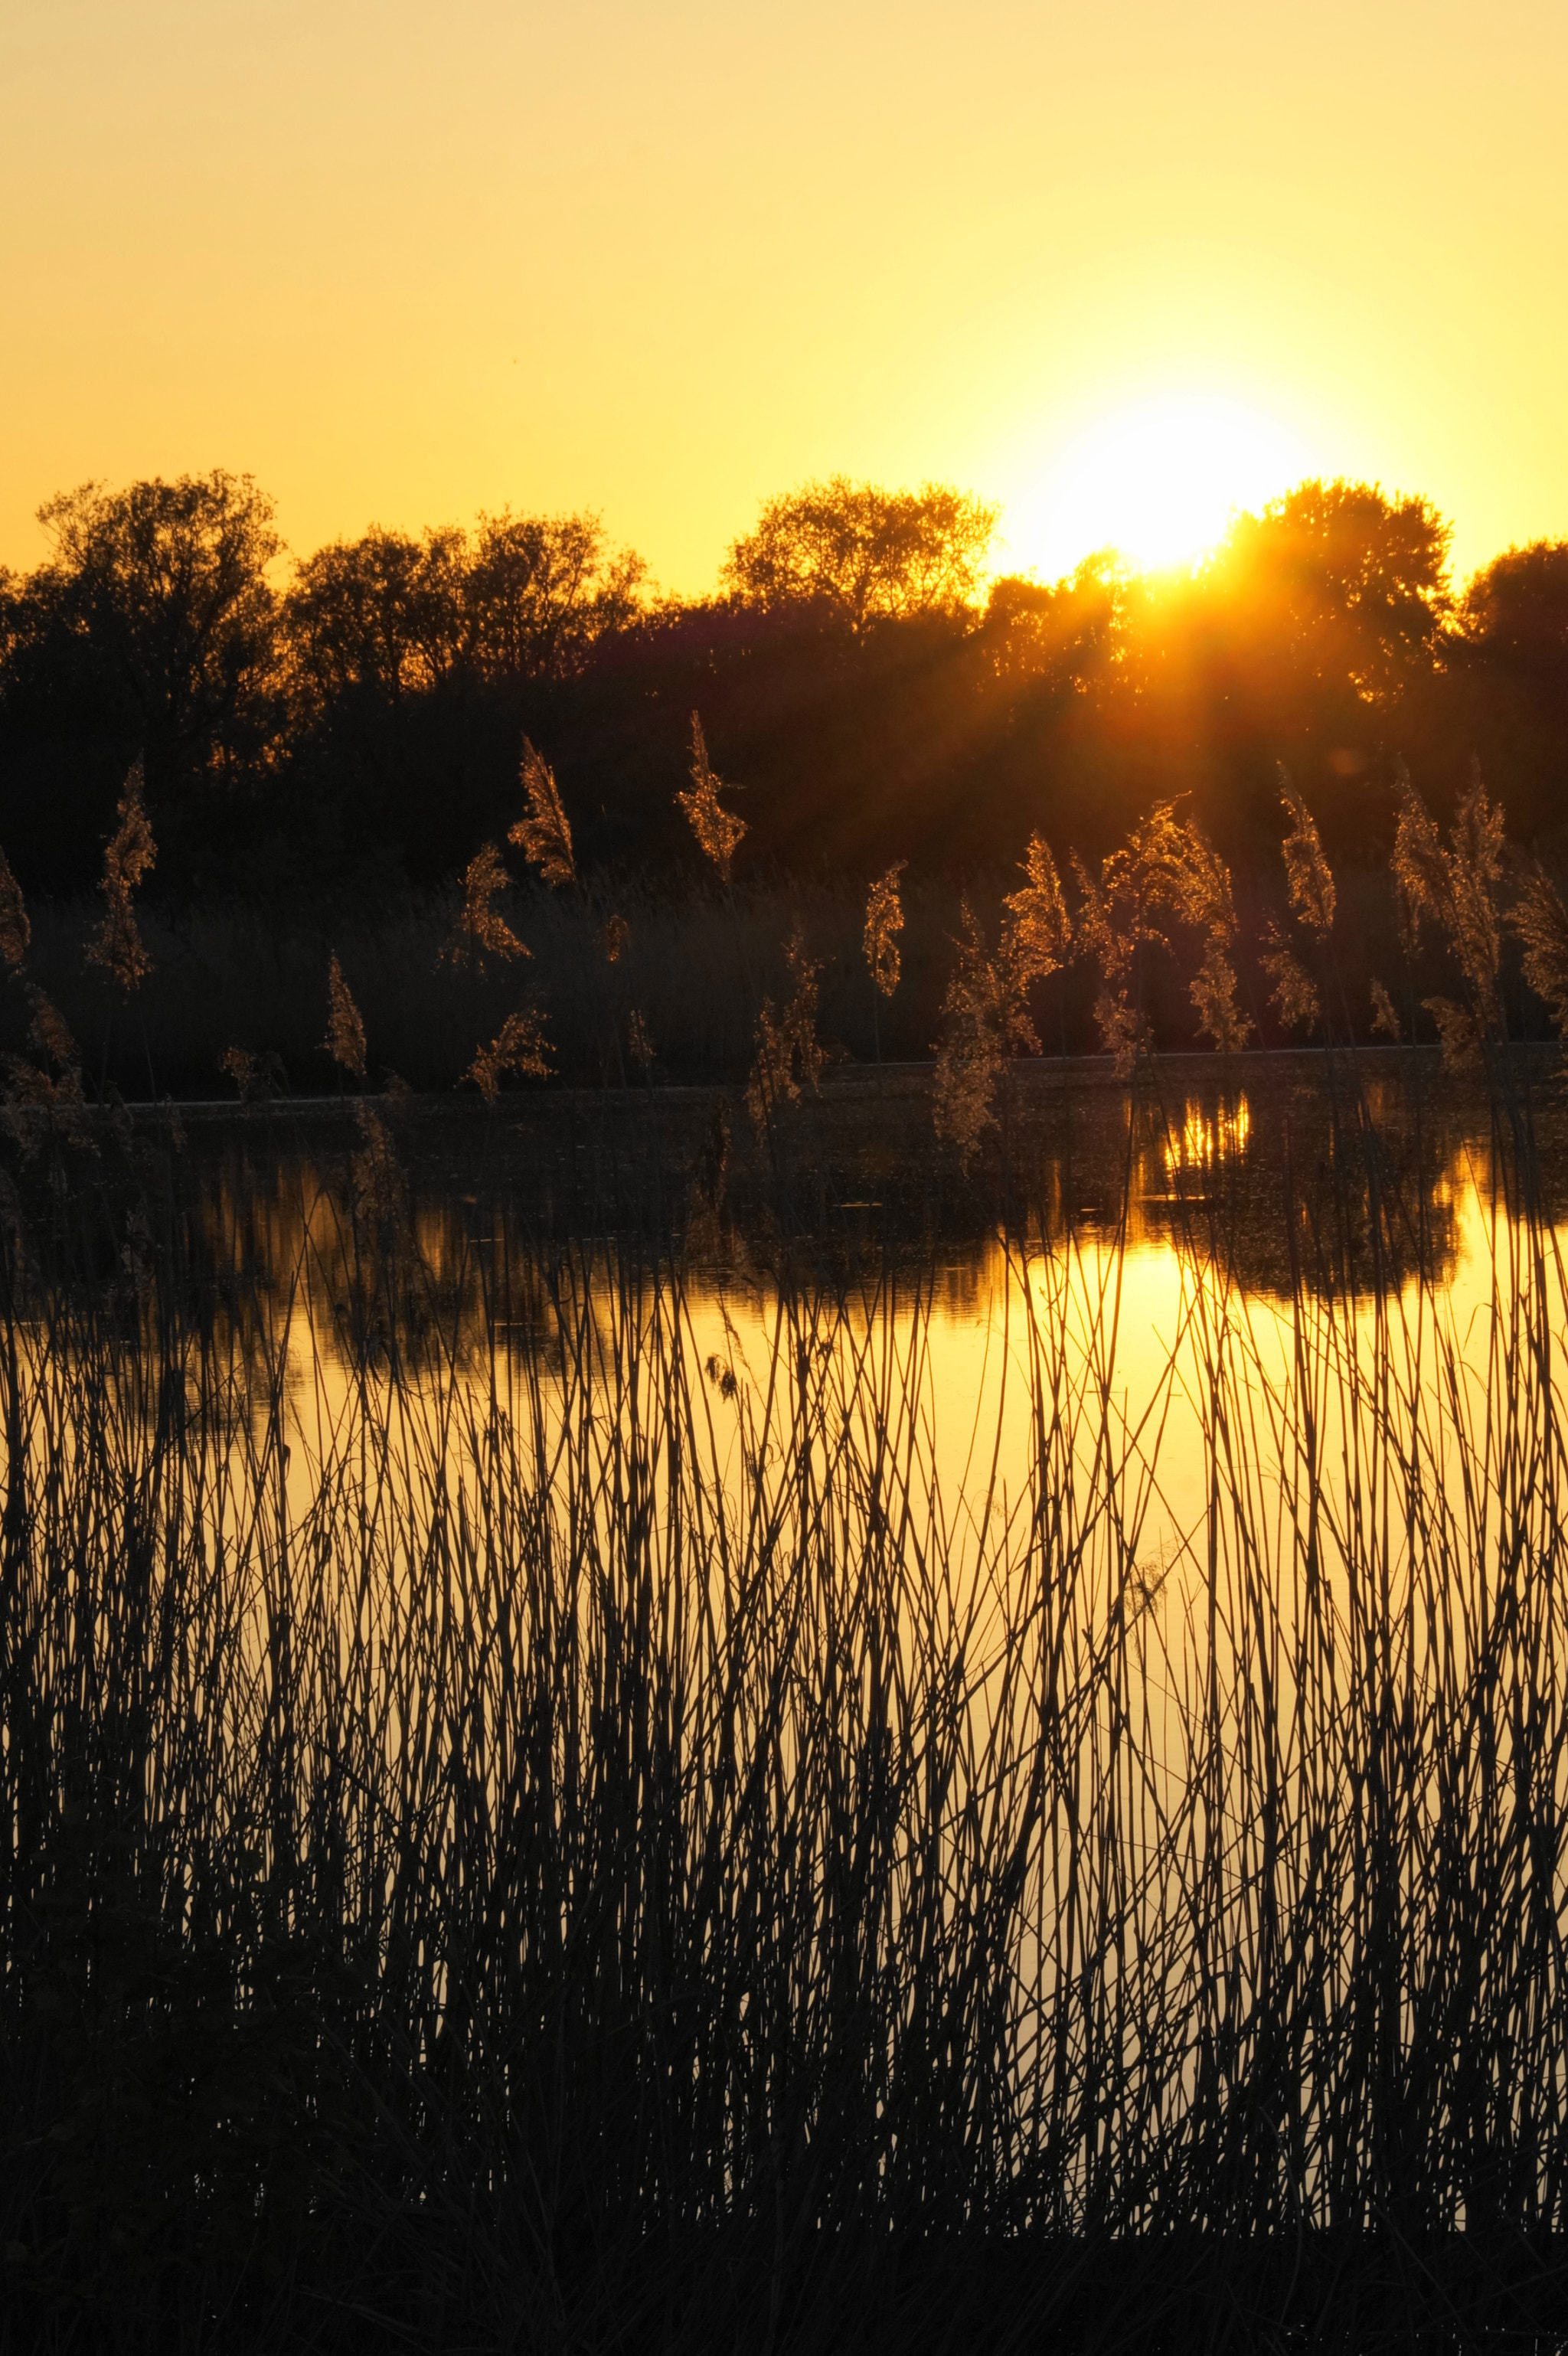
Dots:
pixel 864 554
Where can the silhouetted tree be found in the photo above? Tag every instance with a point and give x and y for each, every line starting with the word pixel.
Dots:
pixel 165 585
pixel 1336 582
pixel 381 616
pixel 540 592
pixel 1514 615
pixel 522 597
pixel 864 554
pixel 150 631
pixel 1066 633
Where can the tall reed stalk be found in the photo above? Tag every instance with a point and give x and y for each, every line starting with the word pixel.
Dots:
pixel 547 1807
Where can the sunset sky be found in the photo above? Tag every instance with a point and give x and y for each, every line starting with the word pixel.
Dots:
pixel 1112 266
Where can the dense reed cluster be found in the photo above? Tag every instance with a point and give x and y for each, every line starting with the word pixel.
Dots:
pixel 1156 947
pixel 553 1804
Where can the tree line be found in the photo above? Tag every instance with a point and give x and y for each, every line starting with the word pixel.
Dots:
pixel 351 724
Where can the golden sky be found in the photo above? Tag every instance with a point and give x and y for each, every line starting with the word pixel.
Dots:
pixel 404 261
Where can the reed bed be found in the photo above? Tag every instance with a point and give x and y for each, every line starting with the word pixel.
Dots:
pixel 551 1801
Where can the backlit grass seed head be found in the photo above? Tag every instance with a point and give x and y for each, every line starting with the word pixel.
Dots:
pixel 1455 886
pixel 970 1045
pixel 1110 945
pixel 16 932
pixel 613 939
pixel 259 1079
pixel 117 946
pixel 376 1175
pixel 1308 876
pixel 1540 921
pixel 481 931
pixel 1123 1031
pixel 639 1042
pixel 789 1055
pixel 1458 1029
pixel 1039 931
pixel 1386 1021
pixel 543 834
pixel 344 1041
pixel 519 1047
pixel 1294 993
pixel 50 1032
pixel 717 830
pixel 1212 991
pixel 884 923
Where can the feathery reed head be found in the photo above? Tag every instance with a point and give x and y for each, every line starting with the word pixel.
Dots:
pixel 970 1046
pixel 789 1055
pixel 1040 932
pixel 614 937
pixel 117 946
pixel 1212 991
pixel 1540 919
pixel 519 1047
pixel 481 930
pixel 378 1186
pixel 16 932
pixel 50 1032
pixel 344 1041
pixel 1386 1019
pixel 1294 993
pixel 1308 876
pixel 717 830
pixel 1457 886
pixel 884 923
pixel 543 834
pixel 639 1041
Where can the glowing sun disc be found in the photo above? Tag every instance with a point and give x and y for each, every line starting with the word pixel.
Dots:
pixel 1157 480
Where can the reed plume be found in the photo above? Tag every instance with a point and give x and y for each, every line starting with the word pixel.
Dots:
pixel 519 1047
pixel 344 1041
pixel 1455 886
pixel 16 932
pixel 481 930
pixel 985 1012
pixel 1187 873
pixel 1294 993
pixel 717 830
pixel 259 1079
pixel 884 923
pixel 614 937
pixel 1309 886
pixel 1540 920
pixel 543 834
pixel 1386 1019
pixel 1309 879
pixel 48 1031
pixel 1167 868
pixel 1037 931
pixel 38 1103
pixel 377 1184
pixel 969 1045
pixel 639 1042
pixel 117 946
pixel 789 1055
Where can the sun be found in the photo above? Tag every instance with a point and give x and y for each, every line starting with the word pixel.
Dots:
pixel 1157 480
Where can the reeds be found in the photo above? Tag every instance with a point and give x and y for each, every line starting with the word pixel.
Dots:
pixel 538 1812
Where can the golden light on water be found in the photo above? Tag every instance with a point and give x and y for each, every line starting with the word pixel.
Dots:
pixel 1157 480
pixel 1207 1136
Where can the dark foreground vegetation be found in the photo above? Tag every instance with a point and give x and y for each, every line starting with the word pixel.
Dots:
pixel 535 1822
